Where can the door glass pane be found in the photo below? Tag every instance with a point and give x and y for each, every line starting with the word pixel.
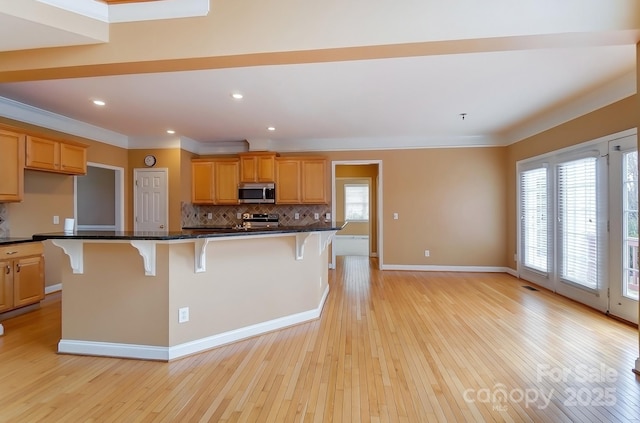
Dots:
pixel 577 222
pixel 534 219
pixel 630 247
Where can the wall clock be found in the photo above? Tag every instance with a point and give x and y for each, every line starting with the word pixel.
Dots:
pixel 150 160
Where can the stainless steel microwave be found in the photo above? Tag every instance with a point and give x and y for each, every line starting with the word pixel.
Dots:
pixel 257 193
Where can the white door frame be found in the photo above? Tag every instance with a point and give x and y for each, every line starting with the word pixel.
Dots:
pixel 119 200
pixel 136 173
pixel 379 207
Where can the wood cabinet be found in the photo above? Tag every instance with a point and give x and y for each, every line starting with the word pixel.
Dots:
pixel 11 166
pixel 21 275
pixel 56 156
pixel 314 181
pixel 258 166
pixel 215 181
pixel 226 181
pixel 301 180
pixel 288 181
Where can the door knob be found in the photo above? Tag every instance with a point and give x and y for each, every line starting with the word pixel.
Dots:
pixel 161 226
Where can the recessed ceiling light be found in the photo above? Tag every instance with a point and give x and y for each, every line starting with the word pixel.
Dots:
pixel 271 128
pixel 237 96
pixel 171 131
pixel 99 102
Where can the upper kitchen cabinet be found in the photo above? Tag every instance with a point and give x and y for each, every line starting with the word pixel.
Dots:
pixel 215 181
pixel 314 181
pixel 226 181
pixel 288 181
pixel 301 180
pixel 56 156
pixel 11 166
pixel 258 166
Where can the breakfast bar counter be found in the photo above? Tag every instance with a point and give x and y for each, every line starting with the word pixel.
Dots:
pixel 161 296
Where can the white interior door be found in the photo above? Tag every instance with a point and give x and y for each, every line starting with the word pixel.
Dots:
pixel 150 205
pixel 623 273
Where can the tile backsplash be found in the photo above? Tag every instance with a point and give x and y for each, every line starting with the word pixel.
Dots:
pixel 195 215
pixel 4 224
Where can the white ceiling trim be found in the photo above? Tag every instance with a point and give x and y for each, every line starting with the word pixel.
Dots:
pixel 164 9
pixel 90 8
pixel 616 90
pixel 133 12
pixel 35 116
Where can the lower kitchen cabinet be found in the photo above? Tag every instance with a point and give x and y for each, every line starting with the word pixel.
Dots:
pixel 21 275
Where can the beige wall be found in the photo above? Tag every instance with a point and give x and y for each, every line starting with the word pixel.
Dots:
pixel 449 201
pixel 614 118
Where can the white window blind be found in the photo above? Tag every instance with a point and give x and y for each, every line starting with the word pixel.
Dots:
pixel 578 222
pixel 356 202
pixel 534 209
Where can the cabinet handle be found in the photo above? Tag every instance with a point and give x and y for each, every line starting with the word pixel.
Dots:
pixel 10 253
pixel 8 269
pixel 18 268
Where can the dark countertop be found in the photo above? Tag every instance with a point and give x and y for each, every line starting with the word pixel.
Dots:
pixel 9 241
pixel 190 232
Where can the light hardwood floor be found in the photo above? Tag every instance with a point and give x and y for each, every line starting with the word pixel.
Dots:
pixel 389 346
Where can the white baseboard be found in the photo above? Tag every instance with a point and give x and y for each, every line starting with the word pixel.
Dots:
pixel 52 288
pixel 150 352
pixel 512 272
pixel 434 268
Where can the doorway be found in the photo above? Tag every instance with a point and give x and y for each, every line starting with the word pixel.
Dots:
pixel 99 198
pixel 357 199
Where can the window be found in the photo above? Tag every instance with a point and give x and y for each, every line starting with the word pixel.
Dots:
pixel 534 223
pixel 356 202
pixel 578 222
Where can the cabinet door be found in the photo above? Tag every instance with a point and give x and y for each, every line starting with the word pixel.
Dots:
pixel 266 168
pixel 28 280
pixel 43 154
pixel 248 168
pixel 11 166
pixel 73 159
pixel 226 181
pixel 202 182
pixel 6 285
pixel 288 181
pixel 314 178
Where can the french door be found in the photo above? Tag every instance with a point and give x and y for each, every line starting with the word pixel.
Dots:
pixel 578 229
pixel 623 273
pixel 563 224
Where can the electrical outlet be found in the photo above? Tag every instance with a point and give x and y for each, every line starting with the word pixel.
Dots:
pixel 328 216
pixel 296 216
pixel 395 216
pixel 56 220
pixel 183 315
pixel 209 216
pixel 316 216
pixel 427 253
pixel 515 257
pixel 238 216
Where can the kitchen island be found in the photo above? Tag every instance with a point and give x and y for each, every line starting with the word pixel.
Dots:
pixel 165 295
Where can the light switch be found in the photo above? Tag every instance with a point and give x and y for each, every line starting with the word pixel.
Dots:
pixel 395 216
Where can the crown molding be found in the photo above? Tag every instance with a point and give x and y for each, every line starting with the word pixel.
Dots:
pixel 28 114
pixel 615 90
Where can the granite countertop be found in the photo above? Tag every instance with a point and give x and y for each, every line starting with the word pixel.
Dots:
pixel 10 240
pixel 189 232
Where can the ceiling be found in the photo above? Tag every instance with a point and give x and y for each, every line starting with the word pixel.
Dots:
pixel 483 98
